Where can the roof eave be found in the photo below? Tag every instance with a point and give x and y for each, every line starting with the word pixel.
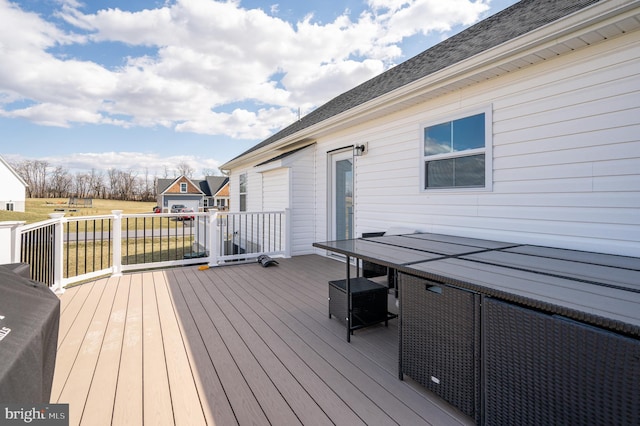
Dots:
pixel 483 66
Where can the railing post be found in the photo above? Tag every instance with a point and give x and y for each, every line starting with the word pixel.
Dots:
pixel 58 250
pixel 117 243
pixel 11 238
pixel 287 233
pixel 214 235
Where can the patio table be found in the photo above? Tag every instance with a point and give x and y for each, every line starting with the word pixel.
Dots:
pixel 507 331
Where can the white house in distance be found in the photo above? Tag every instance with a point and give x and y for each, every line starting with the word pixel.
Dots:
pixel 524 128
pixel 12 188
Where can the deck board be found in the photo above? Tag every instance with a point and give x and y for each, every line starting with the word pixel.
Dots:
pixel 277 360
pixel 236 389
pixel 230 345
pixel 75 331
pixel 184 396
pixel 101 396
pixel 128 404
pixel 156 393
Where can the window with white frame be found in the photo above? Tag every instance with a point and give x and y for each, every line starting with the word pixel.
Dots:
pixel 457 152
pixel 183 187
pixel 243 192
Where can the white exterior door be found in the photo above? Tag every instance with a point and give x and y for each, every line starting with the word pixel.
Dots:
pixel 341 195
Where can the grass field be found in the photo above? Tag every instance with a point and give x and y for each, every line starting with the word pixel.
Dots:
pixel 38 209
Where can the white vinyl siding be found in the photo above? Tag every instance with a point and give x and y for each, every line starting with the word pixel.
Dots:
pixel 566 158
pixel 303 206
pixel 275 190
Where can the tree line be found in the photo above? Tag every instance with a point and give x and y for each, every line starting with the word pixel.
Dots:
pixel 47 181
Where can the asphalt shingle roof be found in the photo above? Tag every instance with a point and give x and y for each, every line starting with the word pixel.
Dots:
pixel 506 25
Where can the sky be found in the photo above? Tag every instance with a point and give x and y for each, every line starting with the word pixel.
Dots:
pixel 144 85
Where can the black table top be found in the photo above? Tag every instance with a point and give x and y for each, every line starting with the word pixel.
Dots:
pixel 611 276
pixel 597 288
pixel 604 259
pixel 383 254
pixel 423 245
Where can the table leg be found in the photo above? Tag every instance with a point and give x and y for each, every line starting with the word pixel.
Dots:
pixel 348 285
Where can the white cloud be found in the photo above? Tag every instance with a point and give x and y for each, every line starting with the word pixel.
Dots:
pixel 139 163
pixel 202 56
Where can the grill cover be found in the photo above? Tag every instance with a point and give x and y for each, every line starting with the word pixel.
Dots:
pixel 29 320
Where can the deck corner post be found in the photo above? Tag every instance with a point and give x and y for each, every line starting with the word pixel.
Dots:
pixel 58 249
pixel 287 232
pixel 214 235
pixel 117 243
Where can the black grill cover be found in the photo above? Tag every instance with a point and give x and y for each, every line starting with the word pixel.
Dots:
pixel 29 319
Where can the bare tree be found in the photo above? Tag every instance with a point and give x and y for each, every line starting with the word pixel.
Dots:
pixel 96 184
pixel 59 182
pixel 44 181
pixel 82 185
pixel 34 173
pixel 185 169
pixel 210 172
pixel 127 185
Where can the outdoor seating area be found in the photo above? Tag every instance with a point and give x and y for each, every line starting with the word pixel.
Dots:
pixel 507 331
pixel 238 344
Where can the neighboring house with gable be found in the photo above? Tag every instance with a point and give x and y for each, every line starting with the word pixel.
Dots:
pixel 12 188
pixel 216 190
pixel 524 127
pixel 198 195
pixel 180 190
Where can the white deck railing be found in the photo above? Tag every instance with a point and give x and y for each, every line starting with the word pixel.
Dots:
pixel 61 250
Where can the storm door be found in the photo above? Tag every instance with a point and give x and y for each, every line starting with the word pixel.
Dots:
pixel 341 195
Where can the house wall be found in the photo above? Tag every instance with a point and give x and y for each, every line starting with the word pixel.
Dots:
pixel 566 158
pixel 275 190
pixel 12 190
pixel 254 189
pixel 292 186
pixel 303 201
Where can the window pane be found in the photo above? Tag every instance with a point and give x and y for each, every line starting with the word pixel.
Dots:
pixel 455 172
pixel 437 139
pixel 243 203
pixel 469 171
pixel 468 133
pixel 439 174
pixel 243 183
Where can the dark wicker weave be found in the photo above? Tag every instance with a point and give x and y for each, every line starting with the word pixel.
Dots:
pixel 545 369
pixel 441 340
pixel 368 301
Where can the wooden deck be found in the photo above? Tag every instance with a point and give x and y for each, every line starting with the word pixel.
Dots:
pixel 230 345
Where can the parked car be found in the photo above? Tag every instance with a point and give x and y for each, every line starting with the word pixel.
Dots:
pixel 186 217
pixel 157 209
pixel 177 208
